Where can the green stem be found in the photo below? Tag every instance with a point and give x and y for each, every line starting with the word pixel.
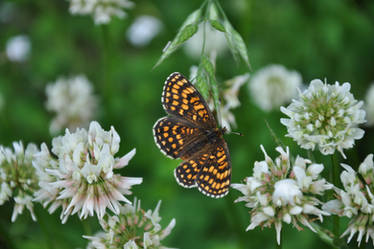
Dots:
pixel 334 179
pixel 44 228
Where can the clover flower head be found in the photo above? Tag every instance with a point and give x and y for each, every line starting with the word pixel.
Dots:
pixel 17 177
pixel 73 102
pixel 215 42
pixel 18 48
pixel 273 86
pixel 325 116
pixel 102 10
pixel 369 105
pixel 132 228
pixel 79 175
pixel 283 191
pixel 356 200
pixel 143 30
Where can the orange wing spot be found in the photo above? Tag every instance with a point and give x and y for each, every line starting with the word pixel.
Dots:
pixel 181 111
pixel 205 169
pixel 194 99
pixel 172 108
pixel 159 137
pixel 185 166
pixel 166 134
pixel 184 95
pixel 199 106
pixel 194 117
pixel 185 101
pixel 168 88
pixel 219 154
pixel 173 79
pixel 180 142
pixel 189 176
pixel 175 96
pixel 189 89
pixel 185 106
pixel 201 177
pixel 221 159
pixel 184 81
pixel 188 170
pixel 201 113
pixel 206 188
pixel 211 157
pixel 163 143
pixel 170 139
pixel 223 165
pixel 174 146
pixel 167 100
pixel 211 169
pixel 215 171
pixel 218 185
pixel 175 102
pixel 168 94
pixel 166 128
pixel 181 83
pixel 214 184
pixel 174 91
pixel 194 164
pixel 176 86
pixel 206 178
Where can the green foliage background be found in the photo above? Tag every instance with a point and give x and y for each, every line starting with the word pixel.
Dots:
pixel 321 39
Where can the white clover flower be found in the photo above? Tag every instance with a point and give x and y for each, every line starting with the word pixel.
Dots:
pixel 273 86
pixel 81 179
pixel 283 191
pixel 73 101
pixel 18 48
pixel 326 116
pixel 231 93
pixel 215 42
pixel 369 105
pixel 143 30
pixel 132 228
pixel 101 10
pixel 18 179
pixel 356 201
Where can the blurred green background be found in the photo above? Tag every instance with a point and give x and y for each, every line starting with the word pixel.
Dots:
pixel 321 39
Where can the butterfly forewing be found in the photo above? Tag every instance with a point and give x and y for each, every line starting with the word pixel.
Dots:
pixel 181 98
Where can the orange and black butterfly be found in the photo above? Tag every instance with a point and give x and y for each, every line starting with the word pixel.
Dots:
pixel 190 132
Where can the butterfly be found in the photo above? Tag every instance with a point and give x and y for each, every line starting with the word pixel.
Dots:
pixel 190 133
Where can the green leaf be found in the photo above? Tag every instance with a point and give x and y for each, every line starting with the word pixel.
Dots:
pixel 236 43
pixel 217 25
pixel 186 31
pixel 202 82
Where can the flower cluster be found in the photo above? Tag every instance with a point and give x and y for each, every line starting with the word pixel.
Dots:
pixel 273 86
pixel 356 201
pixel 280 192
pixel 370 105
pixel 326 116
pixel 132 228
pixel 81 178
pixel 18 48
pixel 73 101
pixel 17 177
pixel 143 30
pixel 101 10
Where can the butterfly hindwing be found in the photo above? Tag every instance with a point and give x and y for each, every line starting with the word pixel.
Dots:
pixel 214 178
pixel 187 171
pixel 180 98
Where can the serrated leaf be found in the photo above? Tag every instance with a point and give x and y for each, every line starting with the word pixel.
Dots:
pixel 207 65
pixel 186 31
pixel 202 82
pixel 236 43
pixel 217 25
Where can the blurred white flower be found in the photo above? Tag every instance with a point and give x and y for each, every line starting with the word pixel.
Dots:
pixel 273 86
pixel 143 30
pixel 18 48
pixel 369 105
pixel 101 10
pixel 132 228
pixel 356 201
pixel 73 101
pixel 283 191
pixel 81 178
pixel 326 116
pixel 18 179
pixel 231 93
pixel 215 42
